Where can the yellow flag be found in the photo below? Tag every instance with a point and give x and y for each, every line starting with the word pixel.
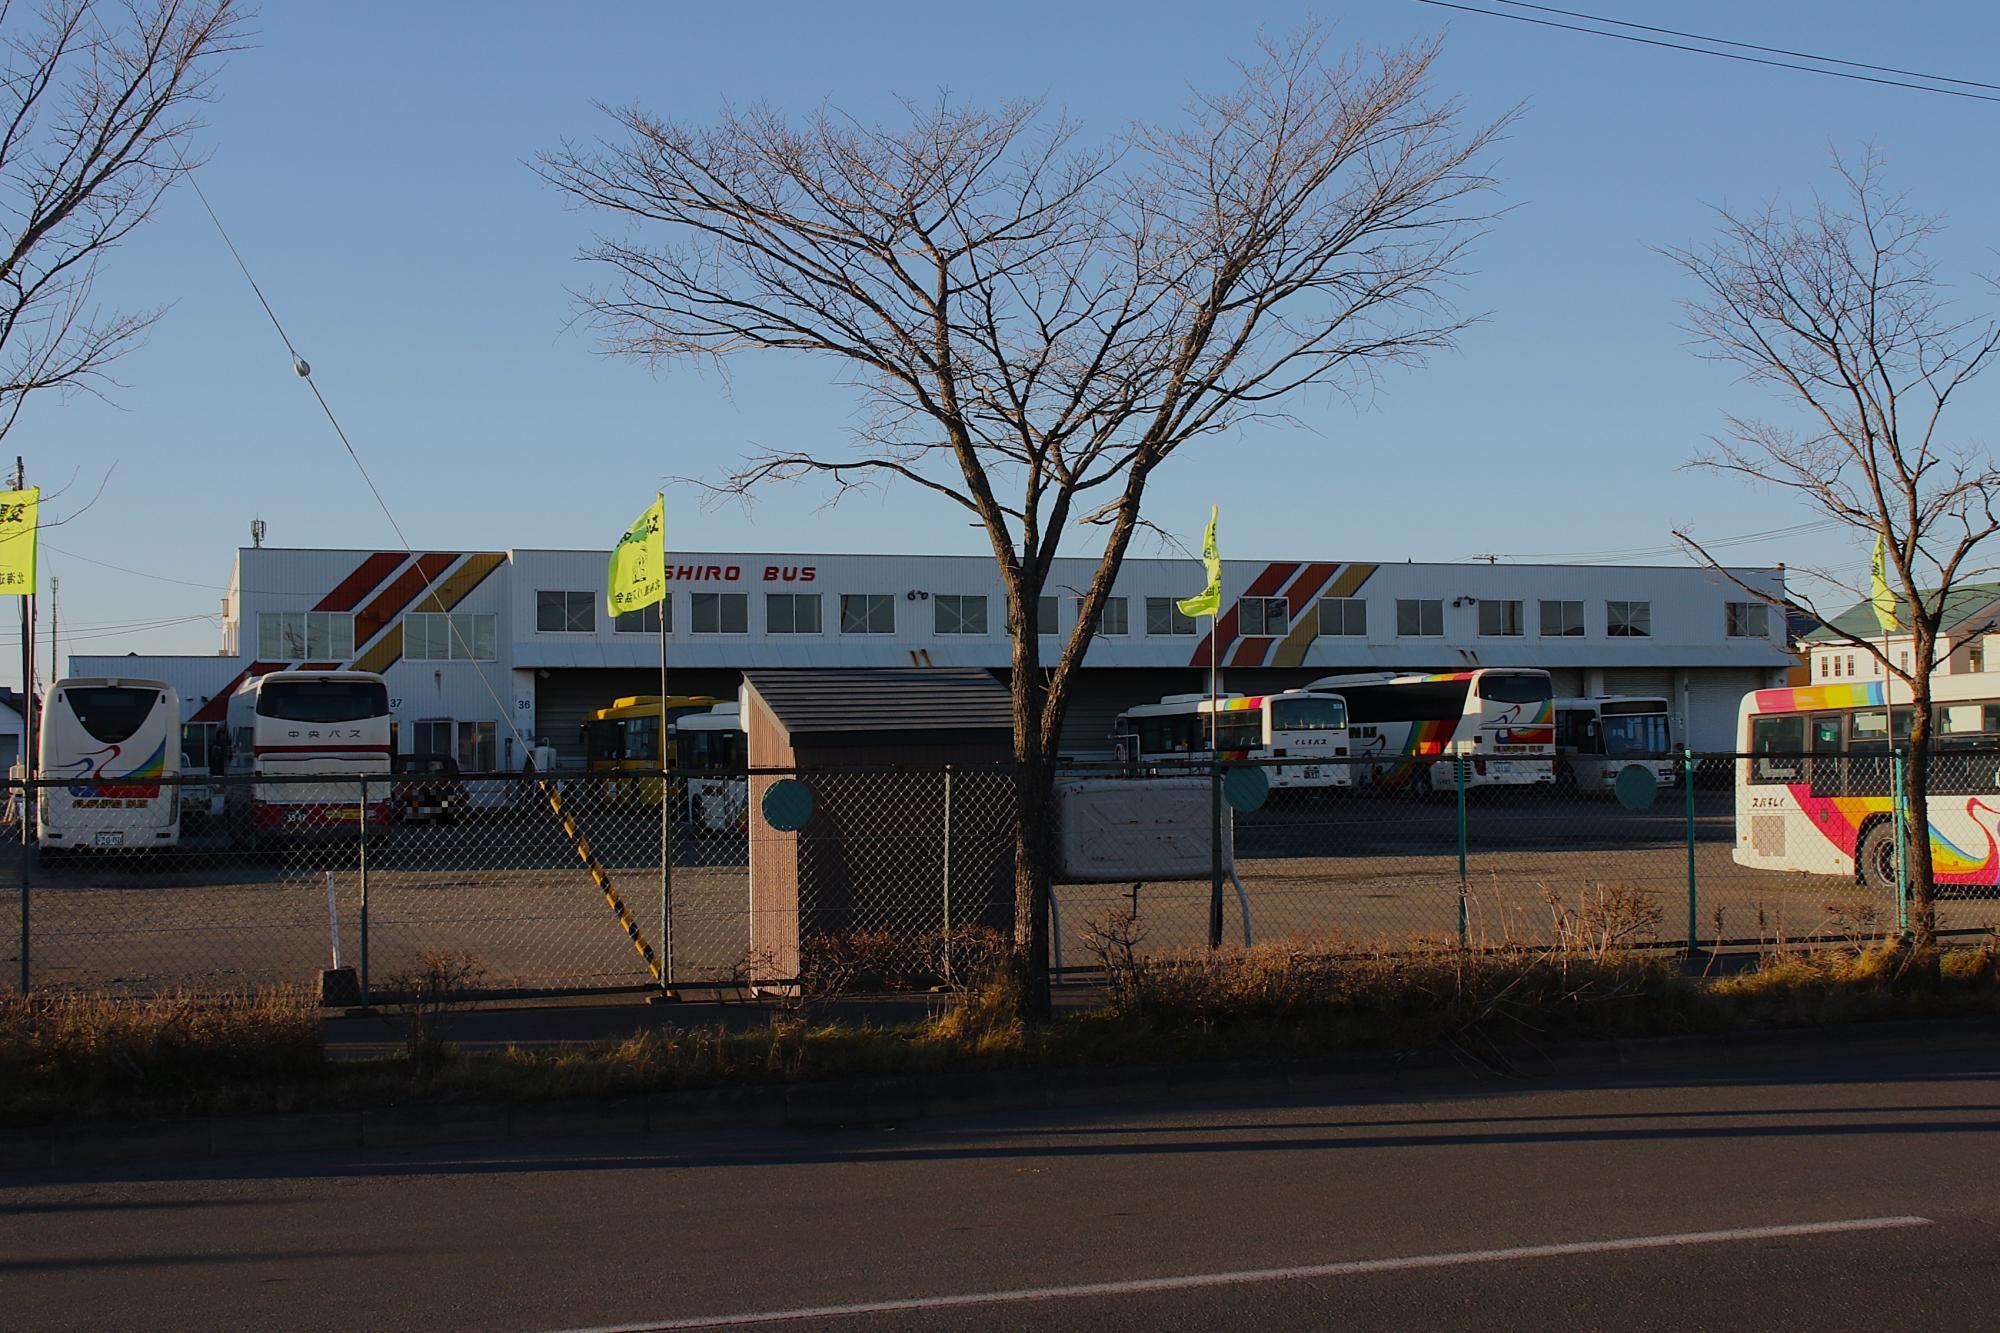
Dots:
pixel 19 512
pixel 1208 601
pixel 1878 588
pixel 638 574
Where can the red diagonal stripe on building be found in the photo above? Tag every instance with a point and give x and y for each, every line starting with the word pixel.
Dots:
pixel 357 585
pixel 1269 581
pixel 1299 595
pixel 217 707
pixel 400 593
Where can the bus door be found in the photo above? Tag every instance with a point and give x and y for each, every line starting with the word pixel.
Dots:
pixel 1828 745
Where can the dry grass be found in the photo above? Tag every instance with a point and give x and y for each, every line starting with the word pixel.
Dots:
pixel 83 1056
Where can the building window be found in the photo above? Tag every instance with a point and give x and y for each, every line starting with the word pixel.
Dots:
pixel 721 613
pixel 1420 617
pixel 1628 620
pixel 867 613
pixel 954 614
pixel 1975 659
pixel 1562 620
pixel 1343 615
pixel 1499 617
pixel 296 636
pixel 1263 615
pixel 646 620
pixel 433 736
pixel 463 636
pixel 476 747
pixel 1048 615
pixel 566 612
pixel 791 613
pixel 1749 620
pixel 1164 617
pixel 1114 619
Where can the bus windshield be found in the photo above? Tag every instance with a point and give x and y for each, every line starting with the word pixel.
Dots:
pixel 1515 689
pixel 111 713
pixel 1308 715
pixel 1635 733
pixel 323 700
pixel 710 751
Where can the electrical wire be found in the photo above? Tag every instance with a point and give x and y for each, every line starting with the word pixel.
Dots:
pixel 1708 51
pixel 1747 46
pixel 304 370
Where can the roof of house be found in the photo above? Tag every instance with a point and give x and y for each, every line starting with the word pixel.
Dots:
pixel 885 699
pixel 1965 601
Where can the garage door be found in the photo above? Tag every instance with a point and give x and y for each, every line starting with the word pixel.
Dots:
pixel 1713 699
pixel 1640 680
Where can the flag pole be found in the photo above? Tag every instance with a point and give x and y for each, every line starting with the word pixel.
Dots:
pixel 1214 632
pixel 666 781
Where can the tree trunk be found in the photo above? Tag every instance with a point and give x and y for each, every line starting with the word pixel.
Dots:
pixel 1917 823
pixel 1034 806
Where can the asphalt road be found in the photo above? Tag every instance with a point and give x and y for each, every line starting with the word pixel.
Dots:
pixel 1850 1191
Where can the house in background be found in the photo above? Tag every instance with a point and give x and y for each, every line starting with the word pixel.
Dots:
pixel 1971 619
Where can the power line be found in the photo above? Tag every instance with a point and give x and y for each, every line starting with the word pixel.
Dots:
pixel 304 372
pixel 1720 55
pixel 1749 46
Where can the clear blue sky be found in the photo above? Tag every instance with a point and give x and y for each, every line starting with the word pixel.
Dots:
pixel 370 161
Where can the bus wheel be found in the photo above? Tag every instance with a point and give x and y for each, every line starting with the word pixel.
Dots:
pixel 1875 859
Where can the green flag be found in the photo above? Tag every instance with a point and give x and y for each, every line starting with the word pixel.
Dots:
pixel 1878 588
pixel 638 574
pixel 1207 602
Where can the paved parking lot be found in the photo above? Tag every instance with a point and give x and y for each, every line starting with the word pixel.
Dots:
pixel 508 888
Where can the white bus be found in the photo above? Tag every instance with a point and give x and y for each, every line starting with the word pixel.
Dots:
pixel 114 747
pixel 332 725
pixel 1500 720
pixel 1599 737
pixel 1815 787
pixel 1306 728
pixel 710 749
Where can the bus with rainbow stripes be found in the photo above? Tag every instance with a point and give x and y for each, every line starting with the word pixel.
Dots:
pixel 1499 723
pixel 1815 782
pixel 1307 729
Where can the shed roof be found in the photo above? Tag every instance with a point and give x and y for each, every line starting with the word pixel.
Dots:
pixel 885 699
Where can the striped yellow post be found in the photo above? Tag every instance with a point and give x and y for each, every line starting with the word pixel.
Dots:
pixel 601 879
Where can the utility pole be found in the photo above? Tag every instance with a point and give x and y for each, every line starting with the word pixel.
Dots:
pixel 55 627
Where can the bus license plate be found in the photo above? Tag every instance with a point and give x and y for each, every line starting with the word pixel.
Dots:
pixel 113 838
pixel 1311 771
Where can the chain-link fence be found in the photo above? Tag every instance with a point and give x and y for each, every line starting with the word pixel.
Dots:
pixel 906 877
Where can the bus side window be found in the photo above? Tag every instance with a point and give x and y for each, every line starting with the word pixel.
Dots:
pixel 1777 743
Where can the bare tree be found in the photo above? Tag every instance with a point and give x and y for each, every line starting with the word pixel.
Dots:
pixel 1842 311
pixel 97 114
pixel 1034 326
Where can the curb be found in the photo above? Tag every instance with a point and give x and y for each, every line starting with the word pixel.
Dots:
pixel 893 1100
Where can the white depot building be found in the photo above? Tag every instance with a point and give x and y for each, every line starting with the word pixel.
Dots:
pixel 488 651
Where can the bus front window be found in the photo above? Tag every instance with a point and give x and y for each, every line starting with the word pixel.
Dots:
pixel 1308 715
pixel 1635 734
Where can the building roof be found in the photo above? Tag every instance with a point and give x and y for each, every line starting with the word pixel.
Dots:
pixel 885 699
pixel 1966 601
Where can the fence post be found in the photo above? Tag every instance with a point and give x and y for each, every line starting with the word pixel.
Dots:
pixel 947 874
pixel 1902 857
pixel 1687 782
pixel 1458 768
pixel 363 858
pixel 1215 853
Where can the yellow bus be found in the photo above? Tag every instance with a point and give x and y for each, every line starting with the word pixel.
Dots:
pixel 625 738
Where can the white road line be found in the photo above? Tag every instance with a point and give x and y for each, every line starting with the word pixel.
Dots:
pixel 1348 1268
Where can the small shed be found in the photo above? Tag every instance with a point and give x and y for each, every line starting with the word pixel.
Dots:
pixel 910 835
